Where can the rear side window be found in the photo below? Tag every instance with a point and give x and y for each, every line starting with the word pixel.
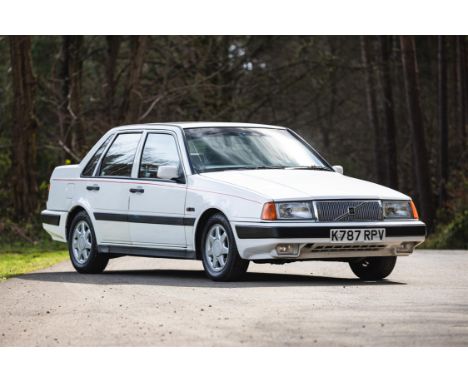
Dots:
pixel 89 169
pixel 118 160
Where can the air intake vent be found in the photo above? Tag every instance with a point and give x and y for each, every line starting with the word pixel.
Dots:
pixel 346 247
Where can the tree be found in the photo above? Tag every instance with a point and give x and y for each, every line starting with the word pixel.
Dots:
pixel 132 98
pixel 24 128
pixel 113 47
pixel 73 136
pixel 442 117
pixel 461 88
pixel 389 113
pixel 420 155
pixel 372 108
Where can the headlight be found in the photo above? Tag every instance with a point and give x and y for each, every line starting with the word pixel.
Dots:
pixel 397 210
pixel 295 210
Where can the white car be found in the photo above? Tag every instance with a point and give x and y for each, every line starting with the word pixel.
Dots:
pixel 226 194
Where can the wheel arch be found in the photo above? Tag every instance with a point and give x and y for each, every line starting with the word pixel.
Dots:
pixel 71 214
pixel 200 225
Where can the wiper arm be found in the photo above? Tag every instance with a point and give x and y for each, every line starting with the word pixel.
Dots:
pixel 268 167
pixel 254 168
pixel 233 168
pixel 319 168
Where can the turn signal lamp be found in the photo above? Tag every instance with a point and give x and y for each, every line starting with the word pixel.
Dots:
pixel 415 211
pixel 269 211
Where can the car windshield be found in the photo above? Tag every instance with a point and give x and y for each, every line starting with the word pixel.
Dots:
pixel 235 148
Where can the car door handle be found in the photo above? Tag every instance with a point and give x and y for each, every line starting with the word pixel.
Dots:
pixel 94 187
pixel 137 190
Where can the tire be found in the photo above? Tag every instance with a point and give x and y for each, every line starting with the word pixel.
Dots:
pixel 220 257
pixel 373 268
pixel 82 246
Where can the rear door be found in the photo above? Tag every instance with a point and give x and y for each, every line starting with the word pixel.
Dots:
pixel 157 206
pixel 108 191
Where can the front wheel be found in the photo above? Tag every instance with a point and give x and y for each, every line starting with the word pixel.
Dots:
pixel 373 268
pixel 221 259
pixel 83 247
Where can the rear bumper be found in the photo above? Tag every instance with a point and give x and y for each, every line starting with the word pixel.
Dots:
pixel 258 241
pixel 54 223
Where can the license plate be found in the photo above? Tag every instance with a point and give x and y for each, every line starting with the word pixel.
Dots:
pixel 367 235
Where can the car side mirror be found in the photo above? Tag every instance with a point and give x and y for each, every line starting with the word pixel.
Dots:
pixel 168 172
pixel 338 169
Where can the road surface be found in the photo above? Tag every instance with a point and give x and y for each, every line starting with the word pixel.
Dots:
pixel 158 302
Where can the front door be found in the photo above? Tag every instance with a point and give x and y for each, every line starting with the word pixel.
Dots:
pixel 157 206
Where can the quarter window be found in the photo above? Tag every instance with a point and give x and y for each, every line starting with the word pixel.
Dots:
pixel 118 160
pixel 159 150
pixel 89 169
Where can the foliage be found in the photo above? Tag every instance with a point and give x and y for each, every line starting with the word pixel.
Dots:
pixel 24 260
pixel 453 235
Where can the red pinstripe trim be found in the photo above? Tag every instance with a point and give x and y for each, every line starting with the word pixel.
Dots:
pixel 91 180
pixel 151 184
pixel 220 193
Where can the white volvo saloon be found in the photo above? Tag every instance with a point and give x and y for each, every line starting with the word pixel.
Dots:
pixel 226 194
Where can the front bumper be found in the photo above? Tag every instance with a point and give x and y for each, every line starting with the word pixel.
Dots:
pixel 258 241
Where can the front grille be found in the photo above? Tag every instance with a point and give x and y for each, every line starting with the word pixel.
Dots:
pixel 348 210
pixel 346 247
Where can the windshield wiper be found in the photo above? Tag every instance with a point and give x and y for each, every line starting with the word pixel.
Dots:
pixel 268 167
pixel 253 168
pixel 319 168
pixel 234 168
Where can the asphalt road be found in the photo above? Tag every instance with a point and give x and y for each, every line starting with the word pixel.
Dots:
pixel 154 302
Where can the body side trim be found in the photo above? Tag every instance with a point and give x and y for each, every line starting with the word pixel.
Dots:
pixel 145 219
pixel 51 219
pixel 147 252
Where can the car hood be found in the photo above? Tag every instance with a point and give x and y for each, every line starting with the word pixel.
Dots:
pixel 303 184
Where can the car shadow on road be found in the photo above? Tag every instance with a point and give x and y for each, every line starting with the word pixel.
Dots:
pixel 195 278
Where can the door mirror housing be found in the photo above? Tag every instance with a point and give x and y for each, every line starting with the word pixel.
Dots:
pixel 168 172
pixel 338 169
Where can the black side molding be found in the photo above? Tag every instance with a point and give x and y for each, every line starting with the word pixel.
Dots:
pixel 147 252
pixel 146 219
pixel 316 232
pixel 51 219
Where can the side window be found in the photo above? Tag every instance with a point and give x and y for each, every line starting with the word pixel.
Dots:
pixel 159 150
pixel 89 168
pixel 118 160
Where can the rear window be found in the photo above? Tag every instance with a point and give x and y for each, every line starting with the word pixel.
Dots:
pixel 89 169
pixel 118 160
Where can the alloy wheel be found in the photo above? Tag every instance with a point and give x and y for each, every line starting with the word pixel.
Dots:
pixel 217 247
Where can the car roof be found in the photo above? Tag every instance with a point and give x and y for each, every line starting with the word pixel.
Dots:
pixel 188 125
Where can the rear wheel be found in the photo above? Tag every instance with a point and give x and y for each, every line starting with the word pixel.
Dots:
pixel 221 259
pixel 82 246
pixel 373 268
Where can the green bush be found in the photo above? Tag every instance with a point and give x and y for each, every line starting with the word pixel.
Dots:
pixel 453 235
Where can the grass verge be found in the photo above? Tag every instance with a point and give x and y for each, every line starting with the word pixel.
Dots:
pixel 17 259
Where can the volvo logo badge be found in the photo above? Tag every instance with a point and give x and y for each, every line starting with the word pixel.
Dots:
pixel 351 210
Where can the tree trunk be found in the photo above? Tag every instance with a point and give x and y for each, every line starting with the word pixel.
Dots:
pixel 372 109
pixel 333 91
pixel 131 102
pixel 442 117
pixel 461 89
pixel 389 113
pixel 23 145
pixel 73 132
pixel 113 47
pixel 421 164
